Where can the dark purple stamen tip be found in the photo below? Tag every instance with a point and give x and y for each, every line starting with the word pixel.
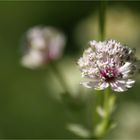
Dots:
pixel 109 74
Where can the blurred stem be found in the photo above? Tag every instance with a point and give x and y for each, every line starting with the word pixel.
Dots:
pixel 102 127
pixel 106 109
pixel 102 19
pixel 90 113
pixel 59 76
pixel 98 102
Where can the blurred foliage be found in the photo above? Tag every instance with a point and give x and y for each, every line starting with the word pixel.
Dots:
pixel 30 101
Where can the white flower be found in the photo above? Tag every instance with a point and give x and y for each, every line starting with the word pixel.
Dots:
pixel 107 64
pixel 42 45
pixel 32 59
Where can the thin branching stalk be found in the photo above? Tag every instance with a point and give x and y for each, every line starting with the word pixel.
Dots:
pixel 59 77
pixel 102 19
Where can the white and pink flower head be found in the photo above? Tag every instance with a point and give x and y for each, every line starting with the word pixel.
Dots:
pixel 42 45
pixel 108 63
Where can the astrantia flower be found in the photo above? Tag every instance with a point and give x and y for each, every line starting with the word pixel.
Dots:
pixel 42 45
pixel 107 64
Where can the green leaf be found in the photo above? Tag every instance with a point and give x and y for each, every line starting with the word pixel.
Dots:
pixel 79 130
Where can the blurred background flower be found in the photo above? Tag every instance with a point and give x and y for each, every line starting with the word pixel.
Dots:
pixel 41 46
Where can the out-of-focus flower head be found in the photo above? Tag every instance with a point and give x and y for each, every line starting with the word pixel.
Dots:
pixel 42 45
pixel 108 63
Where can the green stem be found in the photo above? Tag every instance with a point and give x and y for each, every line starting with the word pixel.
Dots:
pixel 102 125
pixel 106 108
pixel 106 118
pixel 59 76
pixel 90 119
pixel 106 99
pixel 102 19
pixel 98 102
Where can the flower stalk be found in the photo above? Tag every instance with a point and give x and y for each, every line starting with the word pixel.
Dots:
pixel 102 19
pixel 106 108
pixel 106 103
pixel 59 77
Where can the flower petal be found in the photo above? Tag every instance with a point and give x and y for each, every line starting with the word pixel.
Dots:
pixel 90 84
pixel 118 86
pixel 103 85
pixel 125 68
pixel 130 83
